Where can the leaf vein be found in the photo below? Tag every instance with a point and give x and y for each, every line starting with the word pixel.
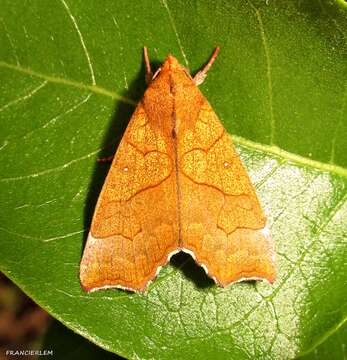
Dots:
pixel 49 171
pixel 121 51
pixel 164 2
pixel 10 41
pixel 54 119
pixel 337 128
pixel 24 97
pixel 64 236
pixel 306 250
pixel 58 80
pixel 26 236
pixel 270 149
pixel 81 39
pixel 323 338
pixel 291 157
pixel 268 71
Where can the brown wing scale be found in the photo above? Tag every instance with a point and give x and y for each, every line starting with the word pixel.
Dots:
pixel 222 223
pixel 176 182
pixel 134 228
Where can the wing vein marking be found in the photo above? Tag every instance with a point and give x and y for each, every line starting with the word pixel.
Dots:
pixel 120 233
pixel 212 186
pixel 135 262
pixel 124 224
pixel 176 156
pixel 205 150
pixel 147 152
pixel 218 153
pixel 141 190
pixel 172 161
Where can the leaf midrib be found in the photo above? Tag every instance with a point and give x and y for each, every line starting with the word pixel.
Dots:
pixel 58 80
pixel 270 149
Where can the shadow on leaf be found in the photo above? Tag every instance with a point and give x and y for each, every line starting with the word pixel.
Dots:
pixel 191 270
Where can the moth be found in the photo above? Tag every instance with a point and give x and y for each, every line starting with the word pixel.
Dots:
pixel 176 184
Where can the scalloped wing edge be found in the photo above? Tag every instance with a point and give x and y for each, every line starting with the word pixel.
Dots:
pixel 265 230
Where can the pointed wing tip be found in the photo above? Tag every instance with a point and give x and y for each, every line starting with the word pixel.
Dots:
pixel 91 284
pixel 142 287
pixel 90 287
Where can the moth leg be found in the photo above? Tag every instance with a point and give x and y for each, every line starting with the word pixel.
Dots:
pixel 156 73
pixel 201 75
pixel 105 159
pixel 149 74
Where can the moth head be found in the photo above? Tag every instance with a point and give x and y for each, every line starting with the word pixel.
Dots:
pixel 171 63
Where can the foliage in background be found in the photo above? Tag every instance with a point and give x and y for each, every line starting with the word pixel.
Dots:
pixel 22 322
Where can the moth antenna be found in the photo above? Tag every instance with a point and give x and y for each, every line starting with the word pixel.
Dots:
pixel 149 74
pixel 201 74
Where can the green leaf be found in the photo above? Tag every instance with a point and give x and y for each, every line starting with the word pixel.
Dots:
pixel 331 346
pixel 71 72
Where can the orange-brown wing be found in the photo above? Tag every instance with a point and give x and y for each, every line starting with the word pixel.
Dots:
pixel 223 225
pixel 134 228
